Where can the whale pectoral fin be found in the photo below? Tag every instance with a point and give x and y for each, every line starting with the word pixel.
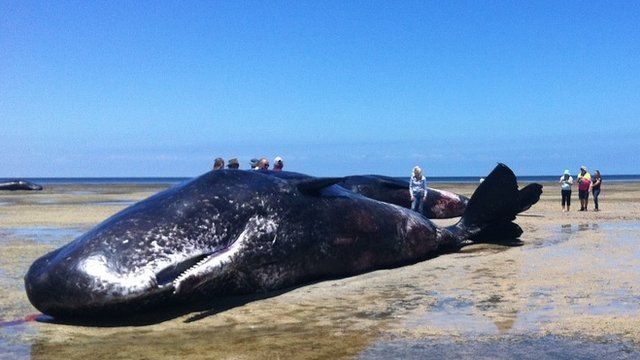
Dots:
pixel 314 186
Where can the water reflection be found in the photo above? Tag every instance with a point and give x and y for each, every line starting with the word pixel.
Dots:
pixel 233 340
pixel 41 235
pixel 546 347
pixel 476 293
pixel 487 306
pixel 586 227
pixel 563 234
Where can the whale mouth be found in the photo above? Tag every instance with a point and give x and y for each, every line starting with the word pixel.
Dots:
pixel 169 274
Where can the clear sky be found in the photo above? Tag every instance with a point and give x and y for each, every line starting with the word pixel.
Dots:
pixel 159 88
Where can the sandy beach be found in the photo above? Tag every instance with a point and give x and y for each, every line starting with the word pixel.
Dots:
pixel 573 285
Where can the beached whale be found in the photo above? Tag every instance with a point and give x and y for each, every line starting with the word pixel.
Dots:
pixel 231 232
pixel 19 185
pixel 440 204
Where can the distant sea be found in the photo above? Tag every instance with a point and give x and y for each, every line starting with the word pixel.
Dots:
pixel 176 180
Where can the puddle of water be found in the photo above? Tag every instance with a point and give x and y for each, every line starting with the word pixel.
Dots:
pixel 566 231
pixel 114 202
pixel 47 201
pixel 547 347
pixel 625 225
pixel 454 315
pixel 82 192
pixel 44 236
pixel 457 312
pixel 13 350
pixel 482 249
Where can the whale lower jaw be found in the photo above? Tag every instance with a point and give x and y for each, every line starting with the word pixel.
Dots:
pixel 217 264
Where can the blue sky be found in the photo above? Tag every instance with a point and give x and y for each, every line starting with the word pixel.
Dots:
pixel 135 88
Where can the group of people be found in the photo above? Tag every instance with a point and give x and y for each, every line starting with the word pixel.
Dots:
pixel 586 183
pixel 254 164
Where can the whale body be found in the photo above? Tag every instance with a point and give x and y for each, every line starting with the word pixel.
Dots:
pixel 19 185
pixel 233 232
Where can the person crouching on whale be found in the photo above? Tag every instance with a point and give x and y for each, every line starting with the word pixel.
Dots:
pixel 417 189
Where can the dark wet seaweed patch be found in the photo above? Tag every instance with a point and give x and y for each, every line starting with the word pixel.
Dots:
pixel 490 303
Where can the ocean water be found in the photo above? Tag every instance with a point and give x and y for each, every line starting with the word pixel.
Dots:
pixel 177 180
pixel 102 180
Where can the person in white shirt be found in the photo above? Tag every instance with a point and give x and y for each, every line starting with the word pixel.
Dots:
pixel 417 189
pixel 565 185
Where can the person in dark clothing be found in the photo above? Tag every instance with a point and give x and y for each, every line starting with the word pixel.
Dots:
pixel 595 188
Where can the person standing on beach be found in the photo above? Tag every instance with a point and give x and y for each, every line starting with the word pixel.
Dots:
pixel 566 181
pixel 584 183
pixel 595 188
pixel 218 164
pixel 417 189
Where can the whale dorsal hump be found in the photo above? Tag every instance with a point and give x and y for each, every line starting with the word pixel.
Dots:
pixel 394 184
pixel 314 186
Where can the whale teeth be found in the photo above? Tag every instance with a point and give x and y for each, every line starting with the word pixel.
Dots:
pixel 188 272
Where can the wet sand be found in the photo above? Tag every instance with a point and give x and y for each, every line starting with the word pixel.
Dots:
pixel 572 287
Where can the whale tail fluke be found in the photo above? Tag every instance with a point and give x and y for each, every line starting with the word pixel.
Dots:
pixel 529 195
pixel 495 203
pixel 497 199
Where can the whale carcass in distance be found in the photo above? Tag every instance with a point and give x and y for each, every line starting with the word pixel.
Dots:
pixel 19 185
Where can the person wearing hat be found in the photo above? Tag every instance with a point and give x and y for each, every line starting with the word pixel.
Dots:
pixel 253 164
pixel 565 185
pixel 233 164
pixel 278 164
pixel 218 164
pixel 584 183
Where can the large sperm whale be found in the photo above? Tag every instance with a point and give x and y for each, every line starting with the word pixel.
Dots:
pixel 232 232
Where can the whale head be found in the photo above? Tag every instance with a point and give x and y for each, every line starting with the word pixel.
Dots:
pixel 166 248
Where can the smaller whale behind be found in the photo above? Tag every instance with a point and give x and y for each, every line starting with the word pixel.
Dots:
pixel 19 185
pixel 440 204
pixel 234 232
